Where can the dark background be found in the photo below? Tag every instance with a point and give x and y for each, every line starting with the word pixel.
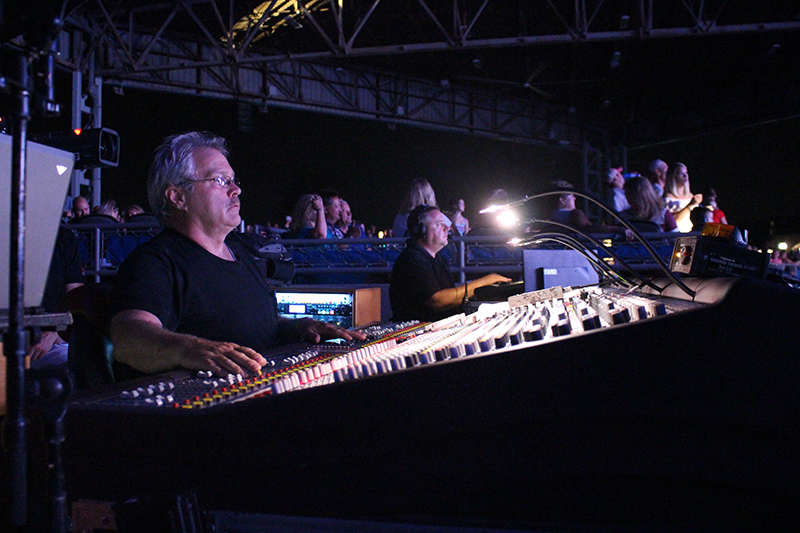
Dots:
pixel 288 153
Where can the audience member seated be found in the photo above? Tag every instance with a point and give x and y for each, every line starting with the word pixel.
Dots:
pixel 119 244
pixel 130 211
pixel 86 236
pixel 333 212
pixel 699 216
pixel 80 208
pixel 66 211
pixel 63 276
pixel 710 200
pixel 657 175
pixel 456 214
pixel 565 212
pixel 679 197
pixel 647 211
pixel 615 192
pixel 109 208
pixel 308 218
pixel 419 193
pixel 349 228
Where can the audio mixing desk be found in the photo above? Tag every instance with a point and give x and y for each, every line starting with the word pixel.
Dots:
pixel 598 407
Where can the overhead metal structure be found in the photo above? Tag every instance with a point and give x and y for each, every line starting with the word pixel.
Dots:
pixel 574 74
pixel 521 70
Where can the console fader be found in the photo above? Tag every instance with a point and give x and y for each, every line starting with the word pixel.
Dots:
pixel 601 407
pixel 394 347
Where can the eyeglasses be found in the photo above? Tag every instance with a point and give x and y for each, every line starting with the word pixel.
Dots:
pixel 220 180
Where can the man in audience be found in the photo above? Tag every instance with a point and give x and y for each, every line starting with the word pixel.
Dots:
pixel 657 174
pixel 333 212
pixel 422 287
pixel 564 212
pixel 349 228
pixel 192 296
pixel 80 208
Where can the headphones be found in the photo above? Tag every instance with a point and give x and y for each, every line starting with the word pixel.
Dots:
pixel 416 229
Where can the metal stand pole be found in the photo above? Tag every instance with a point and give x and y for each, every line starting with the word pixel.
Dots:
pixel 15 338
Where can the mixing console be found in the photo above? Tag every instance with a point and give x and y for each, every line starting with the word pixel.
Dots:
pixel 598 406
pixel 394 347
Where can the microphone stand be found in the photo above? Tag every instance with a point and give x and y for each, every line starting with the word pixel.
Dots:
pixel 51 391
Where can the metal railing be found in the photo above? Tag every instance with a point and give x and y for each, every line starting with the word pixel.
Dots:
pixel 104 246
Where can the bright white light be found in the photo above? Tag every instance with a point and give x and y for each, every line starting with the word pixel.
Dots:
pixel 515 241
pixel 381 234
pixel 783 246
pixel 507 218
pixel 61 169
pixel 490 209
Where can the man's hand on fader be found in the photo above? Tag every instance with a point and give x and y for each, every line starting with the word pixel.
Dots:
pixel 315 331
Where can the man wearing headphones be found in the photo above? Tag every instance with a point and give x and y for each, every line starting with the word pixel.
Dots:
pixel 422 287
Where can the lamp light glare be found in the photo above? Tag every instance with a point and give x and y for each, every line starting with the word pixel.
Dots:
pixel 507 218
pixel 783 246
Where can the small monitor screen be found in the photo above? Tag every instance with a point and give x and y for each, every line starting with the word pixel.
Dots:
pixel 336 308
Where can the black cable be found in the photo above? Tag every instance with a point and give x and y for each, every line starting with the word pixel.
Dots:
pixel 599 245
pixel 602 269
pixel 616 216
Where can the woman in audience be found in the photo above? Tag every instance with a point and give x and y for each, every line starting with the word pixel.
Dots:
pixel 131 210
pixel 679 197
pixel 456 214
pixel 420 193
pixel 109 208
pixel 308 218
pixel 647 211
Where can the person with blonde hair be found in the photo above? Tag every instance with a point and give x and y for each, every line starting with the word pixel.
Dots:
pixel 419 193
pixel 109 208
pixel 679 197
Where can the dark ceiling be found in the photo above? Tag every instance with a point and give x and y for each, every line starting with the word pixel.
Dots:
pixel 643 71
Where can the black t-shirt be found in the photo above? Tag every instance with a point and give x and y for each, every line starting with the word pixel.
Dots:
pixel 416 277
pixel 195 292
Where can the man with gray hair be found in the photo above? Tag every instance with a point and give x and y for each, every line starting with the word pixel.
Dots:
pixel 422 287
pixel 193 296
pixel 657 174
